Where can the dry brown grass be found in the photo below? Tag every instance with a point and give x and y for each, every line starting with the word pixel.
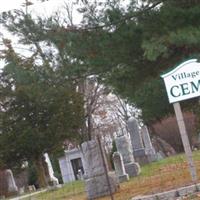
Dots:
pixel 169 177
pixel 160 176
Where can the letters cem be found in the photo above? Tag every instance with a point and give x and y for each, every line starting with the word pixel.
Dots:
pixel 183 82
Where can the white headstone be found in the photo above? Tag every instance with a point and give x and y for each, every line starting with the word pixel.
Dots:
pixel 119 167
pixel 124 148
pixel 11 181
pixel 50 169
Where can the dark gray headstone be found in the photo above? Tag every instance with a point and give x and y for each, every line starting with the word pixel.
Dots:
pixel 125 149
pixel 136 138
pixel 137 143
pixel 95 177
pixel 149 149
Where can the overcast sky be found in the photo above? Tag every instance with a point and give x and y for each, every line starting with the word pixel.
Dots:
pixel 38 8
pixel 45 8
pixel 10 4
pixel 16 4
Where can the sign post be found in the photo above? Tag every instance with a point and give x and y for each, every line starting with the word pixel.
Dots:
pixel 185 140
pixel 184 83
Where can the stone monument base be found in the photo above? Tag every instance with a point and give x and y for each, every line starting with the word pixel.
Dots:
pixel 132 169
pixel 152 157
pixel 143 160
pixel 123 178
pixel 141 156
pixel 98 186
pixel 146 159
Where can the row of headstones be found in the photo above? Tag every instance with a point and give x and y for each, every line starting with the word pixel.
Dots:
pixel 8 185
pixel 130 154
pixel 142 148
pixel 96 181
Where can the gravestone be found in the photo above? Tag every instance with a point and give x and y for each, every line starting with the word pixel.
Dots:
pixel 119 167
pixel 52 179
pixel 21 178
pixel 95 178
pixel 31 188
pixel 124 148
pixel 137 143
pixel 3 184
pixel 7 184
pixel 12 188
pixel 149 149
pixel 21 190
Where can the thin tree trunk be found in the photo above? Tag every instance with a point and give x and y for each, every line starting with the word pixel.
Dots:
pixel 89 131
pixel 40 172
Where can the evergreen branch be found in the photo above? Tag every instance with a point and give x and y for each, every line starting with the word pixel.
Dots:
pixel 124 18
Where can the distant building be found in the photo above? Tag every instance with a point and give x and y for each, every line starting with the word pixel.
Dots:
pixel 71 165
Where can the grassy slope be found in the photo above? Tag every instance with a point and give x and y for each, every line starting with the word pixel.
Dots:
pixel 158 176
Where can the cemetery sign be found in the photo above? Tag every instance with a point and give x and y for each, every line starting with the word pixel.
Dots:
pixel 183 82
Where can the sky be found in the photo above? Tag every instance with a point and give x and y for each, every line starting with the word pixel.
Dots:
pixel 38 8
pixel 45 8
pixel 10 4
pixel 16 4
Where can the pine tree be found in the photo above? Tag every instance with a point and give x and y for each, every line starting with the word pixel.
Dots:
pixel 130 46
pixel 40 107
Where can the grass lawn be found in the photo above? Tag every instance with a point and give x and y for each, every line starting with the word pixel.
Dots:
pixel 74 190
pixel 158 176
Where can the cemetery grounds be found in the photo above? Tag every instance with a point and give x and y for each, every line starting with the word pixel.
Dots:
pixel 169 173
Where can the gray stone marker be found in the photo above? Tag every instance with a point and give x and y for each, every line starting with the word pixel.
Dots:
pixel 119 167
pixel 95 177
pixel 12 188
pixel 124 148
pixel 137 143
pixel 149 149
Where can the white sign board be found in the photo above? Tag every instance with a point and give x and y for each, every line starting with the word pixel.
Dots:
pixel 183 82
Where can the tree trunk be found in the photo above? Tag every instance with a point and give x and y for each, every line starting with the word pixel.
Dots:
pixel 40 172
pixel 89 128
